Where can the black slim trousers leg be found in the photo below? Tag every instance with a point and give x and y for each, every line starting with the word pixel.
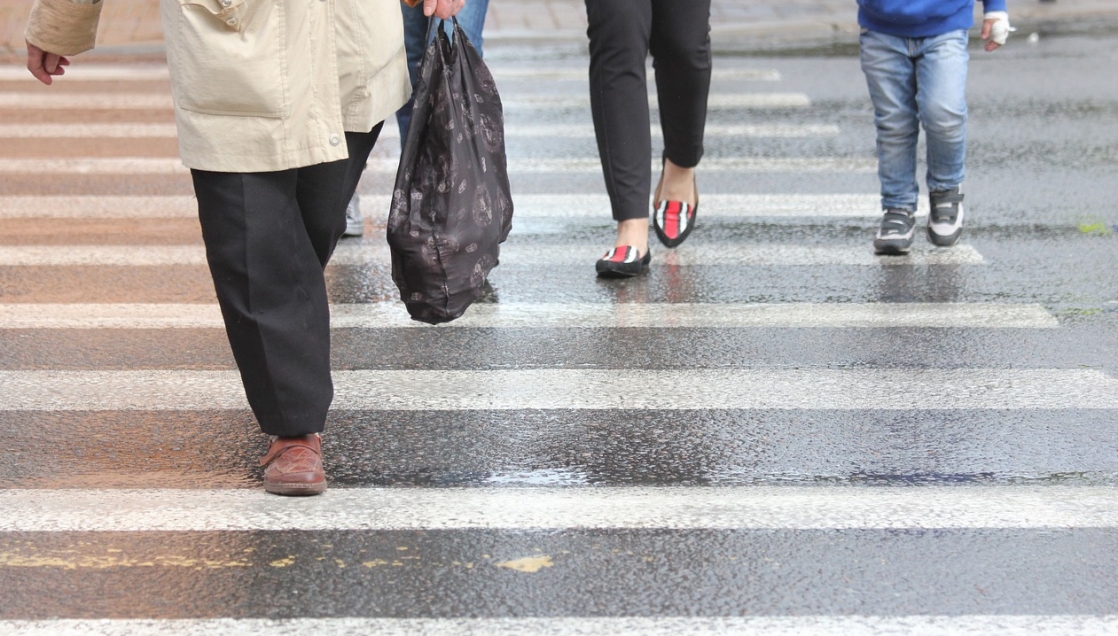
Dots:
pixel 359 145
pixel 681 57
pixel 268 238
pixel 622 33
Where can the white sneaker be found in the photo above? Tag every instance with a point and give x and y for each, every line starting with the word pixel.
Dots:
pixel 894 236
pixel 354 222
pixel 945 221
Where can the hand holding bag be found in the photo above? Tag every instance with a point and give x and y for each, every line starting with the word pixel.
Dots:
pixel 451 205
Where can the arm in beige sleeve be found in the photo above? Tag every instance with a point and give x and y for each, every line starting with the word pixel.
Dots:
pixel 63 27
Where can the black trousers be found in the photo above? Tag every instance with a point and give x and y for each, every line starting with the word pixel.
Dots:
pixel 622 34
pixel 268 238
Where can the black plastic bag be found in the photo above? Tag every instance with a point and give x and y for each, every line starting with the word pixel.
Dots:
pixel 451 207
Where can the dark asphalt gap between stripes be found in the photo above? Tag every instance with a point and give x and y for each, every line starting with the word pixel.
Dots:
pixel 442 573
pixel 425 348
pixel 219 449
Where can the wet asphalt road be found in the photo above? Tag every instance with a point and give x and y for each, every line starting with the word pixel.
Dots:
pixel 1041 229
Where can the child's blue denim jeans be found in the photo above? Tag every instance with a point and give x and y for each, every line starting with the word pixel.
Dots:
pixel 915 81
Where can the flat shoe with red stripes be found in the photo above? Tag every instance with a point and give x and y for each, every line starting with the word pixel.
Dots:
pixel 674 221
pixel 623 262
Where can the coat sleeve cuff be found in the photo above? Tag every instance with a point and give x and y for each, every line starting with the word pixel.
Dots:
pixel 63 27
pixel 993 5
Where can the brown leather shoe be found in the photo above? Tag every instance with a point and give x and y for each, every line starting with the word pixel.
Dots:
pixel 293 466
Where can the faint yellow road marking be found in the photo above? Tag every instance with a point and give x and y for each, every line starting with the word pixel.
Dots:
pixel 527 564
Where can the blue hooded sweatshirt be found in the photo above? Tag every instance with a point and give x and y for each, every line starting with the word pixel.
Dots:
pixel 920 18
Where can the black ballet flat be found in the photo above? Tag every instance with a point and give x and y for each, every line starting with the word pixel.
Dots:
pixel 623 262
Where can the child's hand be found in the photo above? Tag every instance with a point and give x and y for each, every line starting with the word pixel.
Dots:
pixel 995 29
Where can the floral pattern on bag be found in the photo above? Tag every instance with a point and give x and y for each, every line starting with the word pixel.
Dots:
pixel 452 204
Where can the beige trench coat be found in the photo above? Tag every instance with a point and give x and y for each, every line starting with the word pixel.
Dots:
pixel 262 85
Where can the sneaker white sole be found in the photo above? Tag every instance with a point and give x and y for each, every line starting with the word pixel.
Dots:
pixel 946 234
pixel 894 244
pixel 892 247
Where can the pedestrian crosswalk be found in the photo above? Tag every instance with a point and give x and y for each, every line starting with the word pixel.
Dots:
pixel 543 465
pixel 629 626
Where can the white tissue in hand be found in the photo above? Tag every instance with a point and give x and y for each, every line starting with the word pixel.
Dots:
pixel 1000 29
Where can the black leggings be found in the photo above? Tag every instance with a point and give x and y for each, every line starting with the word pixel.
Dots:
pixel 622 33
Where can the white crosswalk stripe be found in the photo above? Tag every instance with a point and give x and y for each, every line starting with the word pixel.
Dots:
pixel 156 100
pixel 740 164
pixel 590 206
pixel 389 165
pixel 743 507
pixel 580 389
pixel 161 100
pixel 88 131
pixel 558 315
pixel 92 73
pixel 353 254
pixel 717 101
pixel 92 206
pixel 711 132
pixel 142 73
pixel 924 625
pixel 527 206
pixel 95 165
pixel 512 131
pixel 546 73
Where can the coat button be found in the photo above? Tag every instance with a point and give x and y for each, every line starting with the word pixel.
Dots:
pixel 226 3
pixel 231 22
pixel 335 140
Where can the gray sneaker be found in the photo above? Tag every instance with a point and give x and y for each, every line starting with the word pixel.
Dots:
pixel 945 219
pixel 354 222
pixel 895 234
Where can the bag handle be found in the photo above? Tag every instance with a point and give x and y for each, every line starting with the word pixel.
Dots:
pixel 436 23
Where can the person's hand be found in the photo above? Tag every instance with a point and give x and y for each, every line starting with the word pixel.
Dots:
pixel 442 8
pixel 44 66
pixel 987 28
pixel 995 29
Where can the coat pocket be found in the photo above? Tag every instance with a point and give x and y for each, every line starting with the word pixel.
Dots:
pixel 229 58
